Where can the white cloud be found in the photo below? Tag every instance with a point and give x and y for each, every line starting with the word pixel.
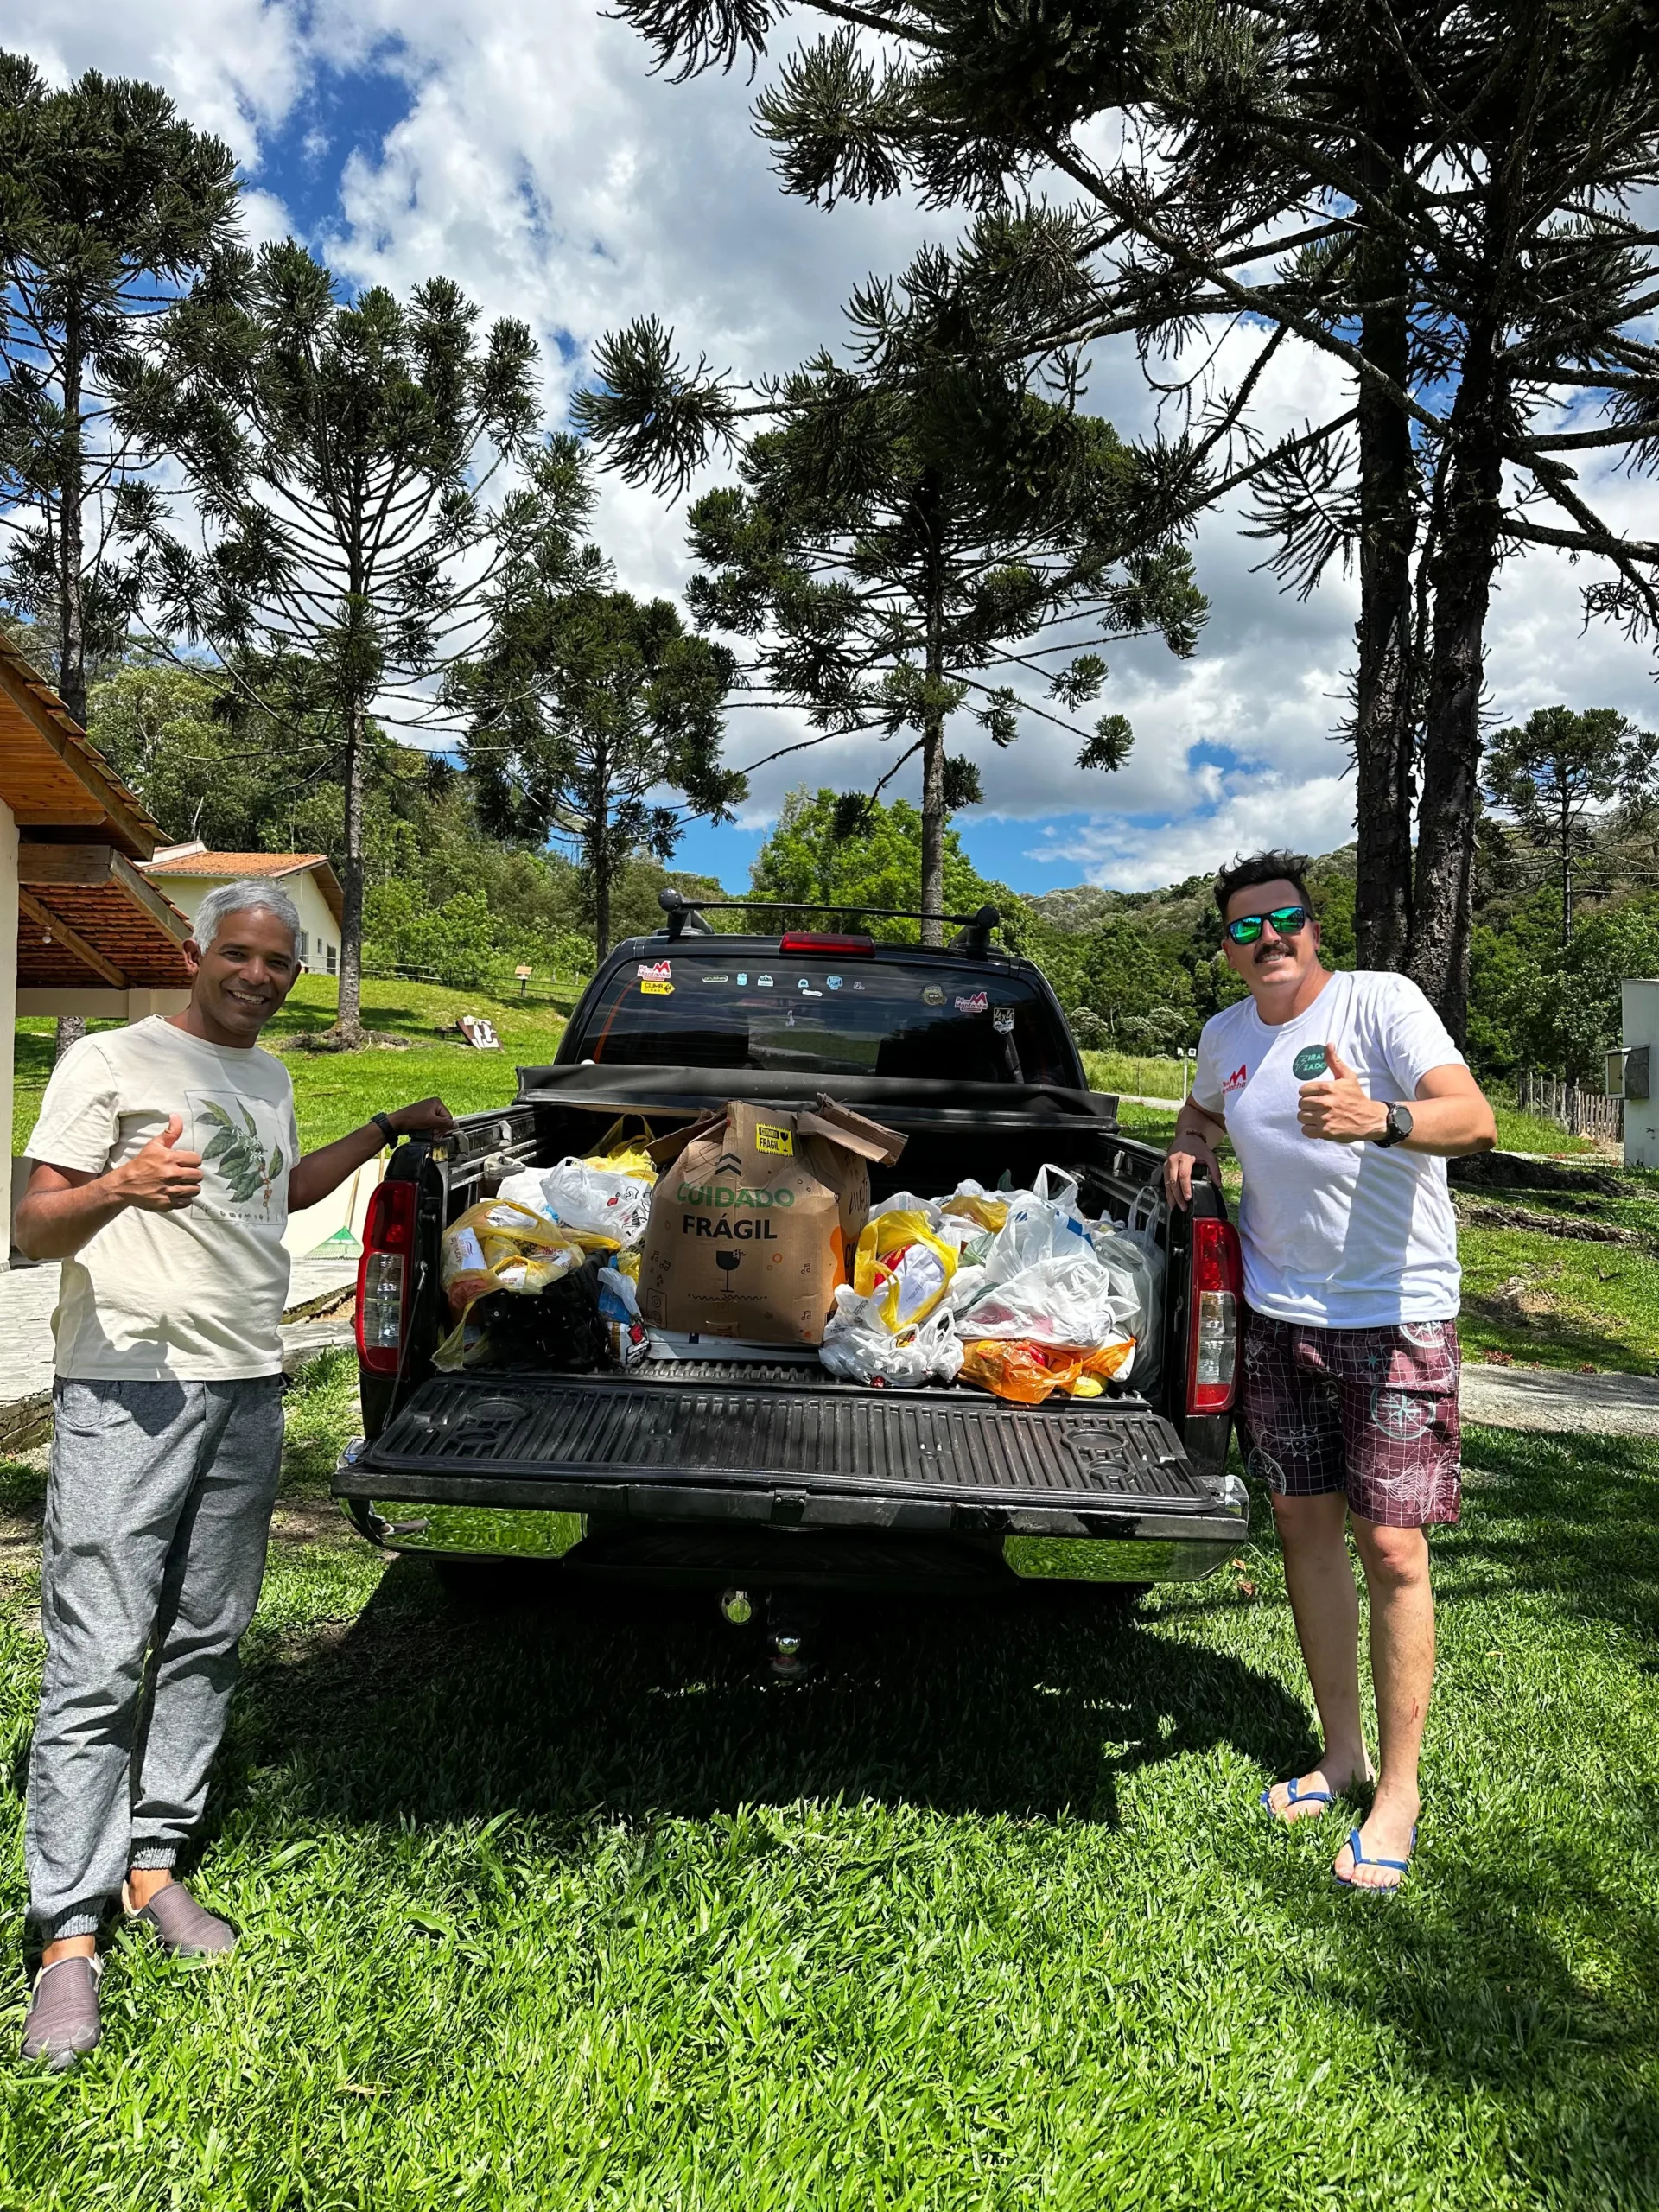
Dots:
pixel 541 164
pixel 234 67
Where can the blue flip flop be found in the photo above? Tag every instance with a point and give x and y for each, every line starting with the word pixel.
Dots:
pixel 1374 1889
pixel 1298 1796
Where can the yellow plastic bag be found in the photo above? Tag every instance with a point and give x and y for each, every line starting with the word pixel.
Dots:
pixel 628 1154
pixel 1026 1373
pixel 903 1267
pixel 985 1213
pixel 500 1245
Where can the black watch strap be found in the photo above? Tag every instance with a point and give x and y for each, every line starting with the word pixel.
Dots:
pixel 1398 1127
pixel 383 1123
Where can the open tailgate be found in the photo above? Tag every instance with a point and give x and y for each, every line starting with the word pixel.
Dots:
pixel 701 1442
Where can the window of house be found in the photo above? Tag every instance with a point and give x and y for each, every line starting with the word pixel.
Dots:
pixel 305 946
pixel 333 960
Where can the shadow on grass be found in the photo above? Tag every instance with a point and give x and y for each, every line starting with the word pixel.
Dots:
pixel 1571 1518
pixel 648 1704
pixel 1515 1965
pixel 1564 1344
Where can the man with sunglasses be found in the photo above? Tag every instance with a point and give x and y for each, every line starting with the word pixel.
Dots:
pixel 1343 1096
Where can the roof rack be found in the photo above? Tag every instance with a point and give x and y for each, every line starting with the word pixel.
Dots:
pixel 685 914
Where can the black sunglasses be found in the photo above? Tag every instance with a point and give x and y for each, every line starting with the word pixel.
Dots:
pixel 1287 921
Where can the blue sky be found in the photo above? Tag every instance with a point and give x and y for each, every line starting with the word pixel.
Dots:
pixel 525 150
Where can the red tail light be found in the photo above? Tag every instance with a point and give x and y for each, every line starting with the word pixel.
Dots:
pixel 383 1275
pixel 1212 1333
pixel 851 948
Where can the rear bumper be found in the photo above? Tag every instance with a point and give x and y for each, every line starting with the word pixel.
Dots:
pixel 861 1554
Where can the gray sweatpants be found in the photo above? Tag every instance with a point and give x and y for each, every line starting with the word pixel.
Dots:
pixel 157 1511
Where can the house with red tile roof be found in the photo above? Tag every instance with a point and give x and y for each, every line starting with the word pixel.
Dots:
pixel 188 873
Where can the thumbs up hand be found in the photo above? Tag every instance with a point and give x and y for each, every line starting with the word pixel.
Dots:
pixel 161 1179
pixel 1334 1107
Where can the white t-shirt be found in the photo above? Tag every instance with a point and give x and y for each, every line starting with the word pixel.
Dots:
pixel 1335 1236
pixel 196 1295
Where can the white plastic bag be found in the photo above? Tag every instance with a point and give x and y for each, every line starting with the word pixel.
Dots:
pixel 1137 1240
pixel 605 1203
pixel 1067 1299
pixel 1042 1223
pixel 859 1348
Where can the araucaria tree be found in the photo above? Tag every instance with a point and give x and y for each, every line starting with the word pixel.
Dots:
pixel 110 207
pixel 1452 206
pixel 341 455
pixel 916 538
pixel 1559 770
pixel 588 706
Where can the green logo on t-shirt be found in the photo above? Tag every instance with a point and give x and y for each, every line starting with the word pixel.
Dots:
pixel 1309 1063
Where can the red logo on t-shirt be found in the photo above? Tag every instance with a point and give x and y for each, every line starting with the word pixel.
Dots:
pixel 1237 1081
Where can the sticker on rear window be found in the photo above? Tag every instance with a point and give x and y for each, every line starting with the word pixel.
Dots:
pixel 933 995
pixel 971 1002
pixel 1309 1063
pixel 832 983
pixel 743 975
pixel 770 1139
pixel 720 979
pixel 654 971
pixel 653 988
pixel 762 982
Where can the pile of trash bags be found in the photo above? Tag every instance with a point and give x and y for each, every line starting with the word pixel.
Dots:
pixel 582 1221
pixel 1013 1291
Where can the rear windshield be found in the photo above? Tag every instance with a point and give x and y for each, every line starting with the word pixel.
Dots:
pixel 825 1014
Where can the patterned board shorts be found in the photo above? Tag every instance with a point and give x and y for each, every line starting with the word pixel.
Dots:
pixel 1373 1412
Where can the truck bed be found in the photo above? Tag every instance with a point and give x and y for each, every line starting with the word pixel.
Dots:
pixel 695 1462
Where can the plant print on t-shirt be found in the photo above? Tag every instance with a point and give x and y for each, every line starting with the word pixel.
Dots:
pixel 240 1140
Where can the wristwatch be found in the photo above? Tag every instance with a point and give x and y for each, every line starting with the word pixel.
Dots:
pixel 1396 1129
pixel 383 1123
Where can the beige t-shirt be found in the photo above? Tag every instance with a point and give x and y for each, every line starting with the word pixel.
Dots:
pixel 193 1296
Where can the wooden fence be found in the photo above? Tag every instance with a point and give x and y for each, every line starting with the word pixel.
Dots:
pixel 1581 1113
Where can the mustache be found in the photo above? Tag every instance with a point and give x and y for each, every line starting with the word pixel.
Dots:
pixel 1270 945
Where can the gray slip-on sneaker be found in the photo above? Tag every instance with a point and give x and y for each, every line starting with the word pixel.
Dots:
pixel 186 1928
pixel 62 2024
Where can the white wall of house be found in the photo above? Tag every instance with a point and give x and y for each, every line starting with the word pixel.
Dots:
pixel 320 931
pixel 1641 997
pixel 8 984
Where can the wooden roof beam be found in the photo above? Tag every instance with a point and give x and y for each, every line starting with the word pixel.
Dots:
pixel 44 865
pixel 71 940
pixel 54 724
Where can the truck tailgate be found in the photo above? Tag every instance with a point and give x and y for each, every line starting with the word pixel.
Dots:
pixel 789 1447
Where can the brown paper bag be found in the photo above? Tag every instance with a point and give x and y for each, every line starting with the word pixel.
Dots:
pixel 755 1218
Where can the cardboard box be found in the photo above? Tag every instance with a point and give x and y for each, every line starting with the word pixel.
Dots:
pixel 755 1218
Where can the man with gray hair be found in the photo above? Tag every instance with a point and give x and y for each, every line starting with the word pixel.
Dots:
pixel 165 1164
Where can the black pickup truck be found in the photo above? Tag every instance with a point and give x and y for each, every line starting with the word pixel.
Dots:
pixel 773 1477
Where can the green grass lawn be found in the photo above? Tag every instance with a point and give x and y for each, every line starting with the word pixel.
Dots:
pixel 334 1092
pixel 1153 1078
pixel 566 1906
pixel 1599 1303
